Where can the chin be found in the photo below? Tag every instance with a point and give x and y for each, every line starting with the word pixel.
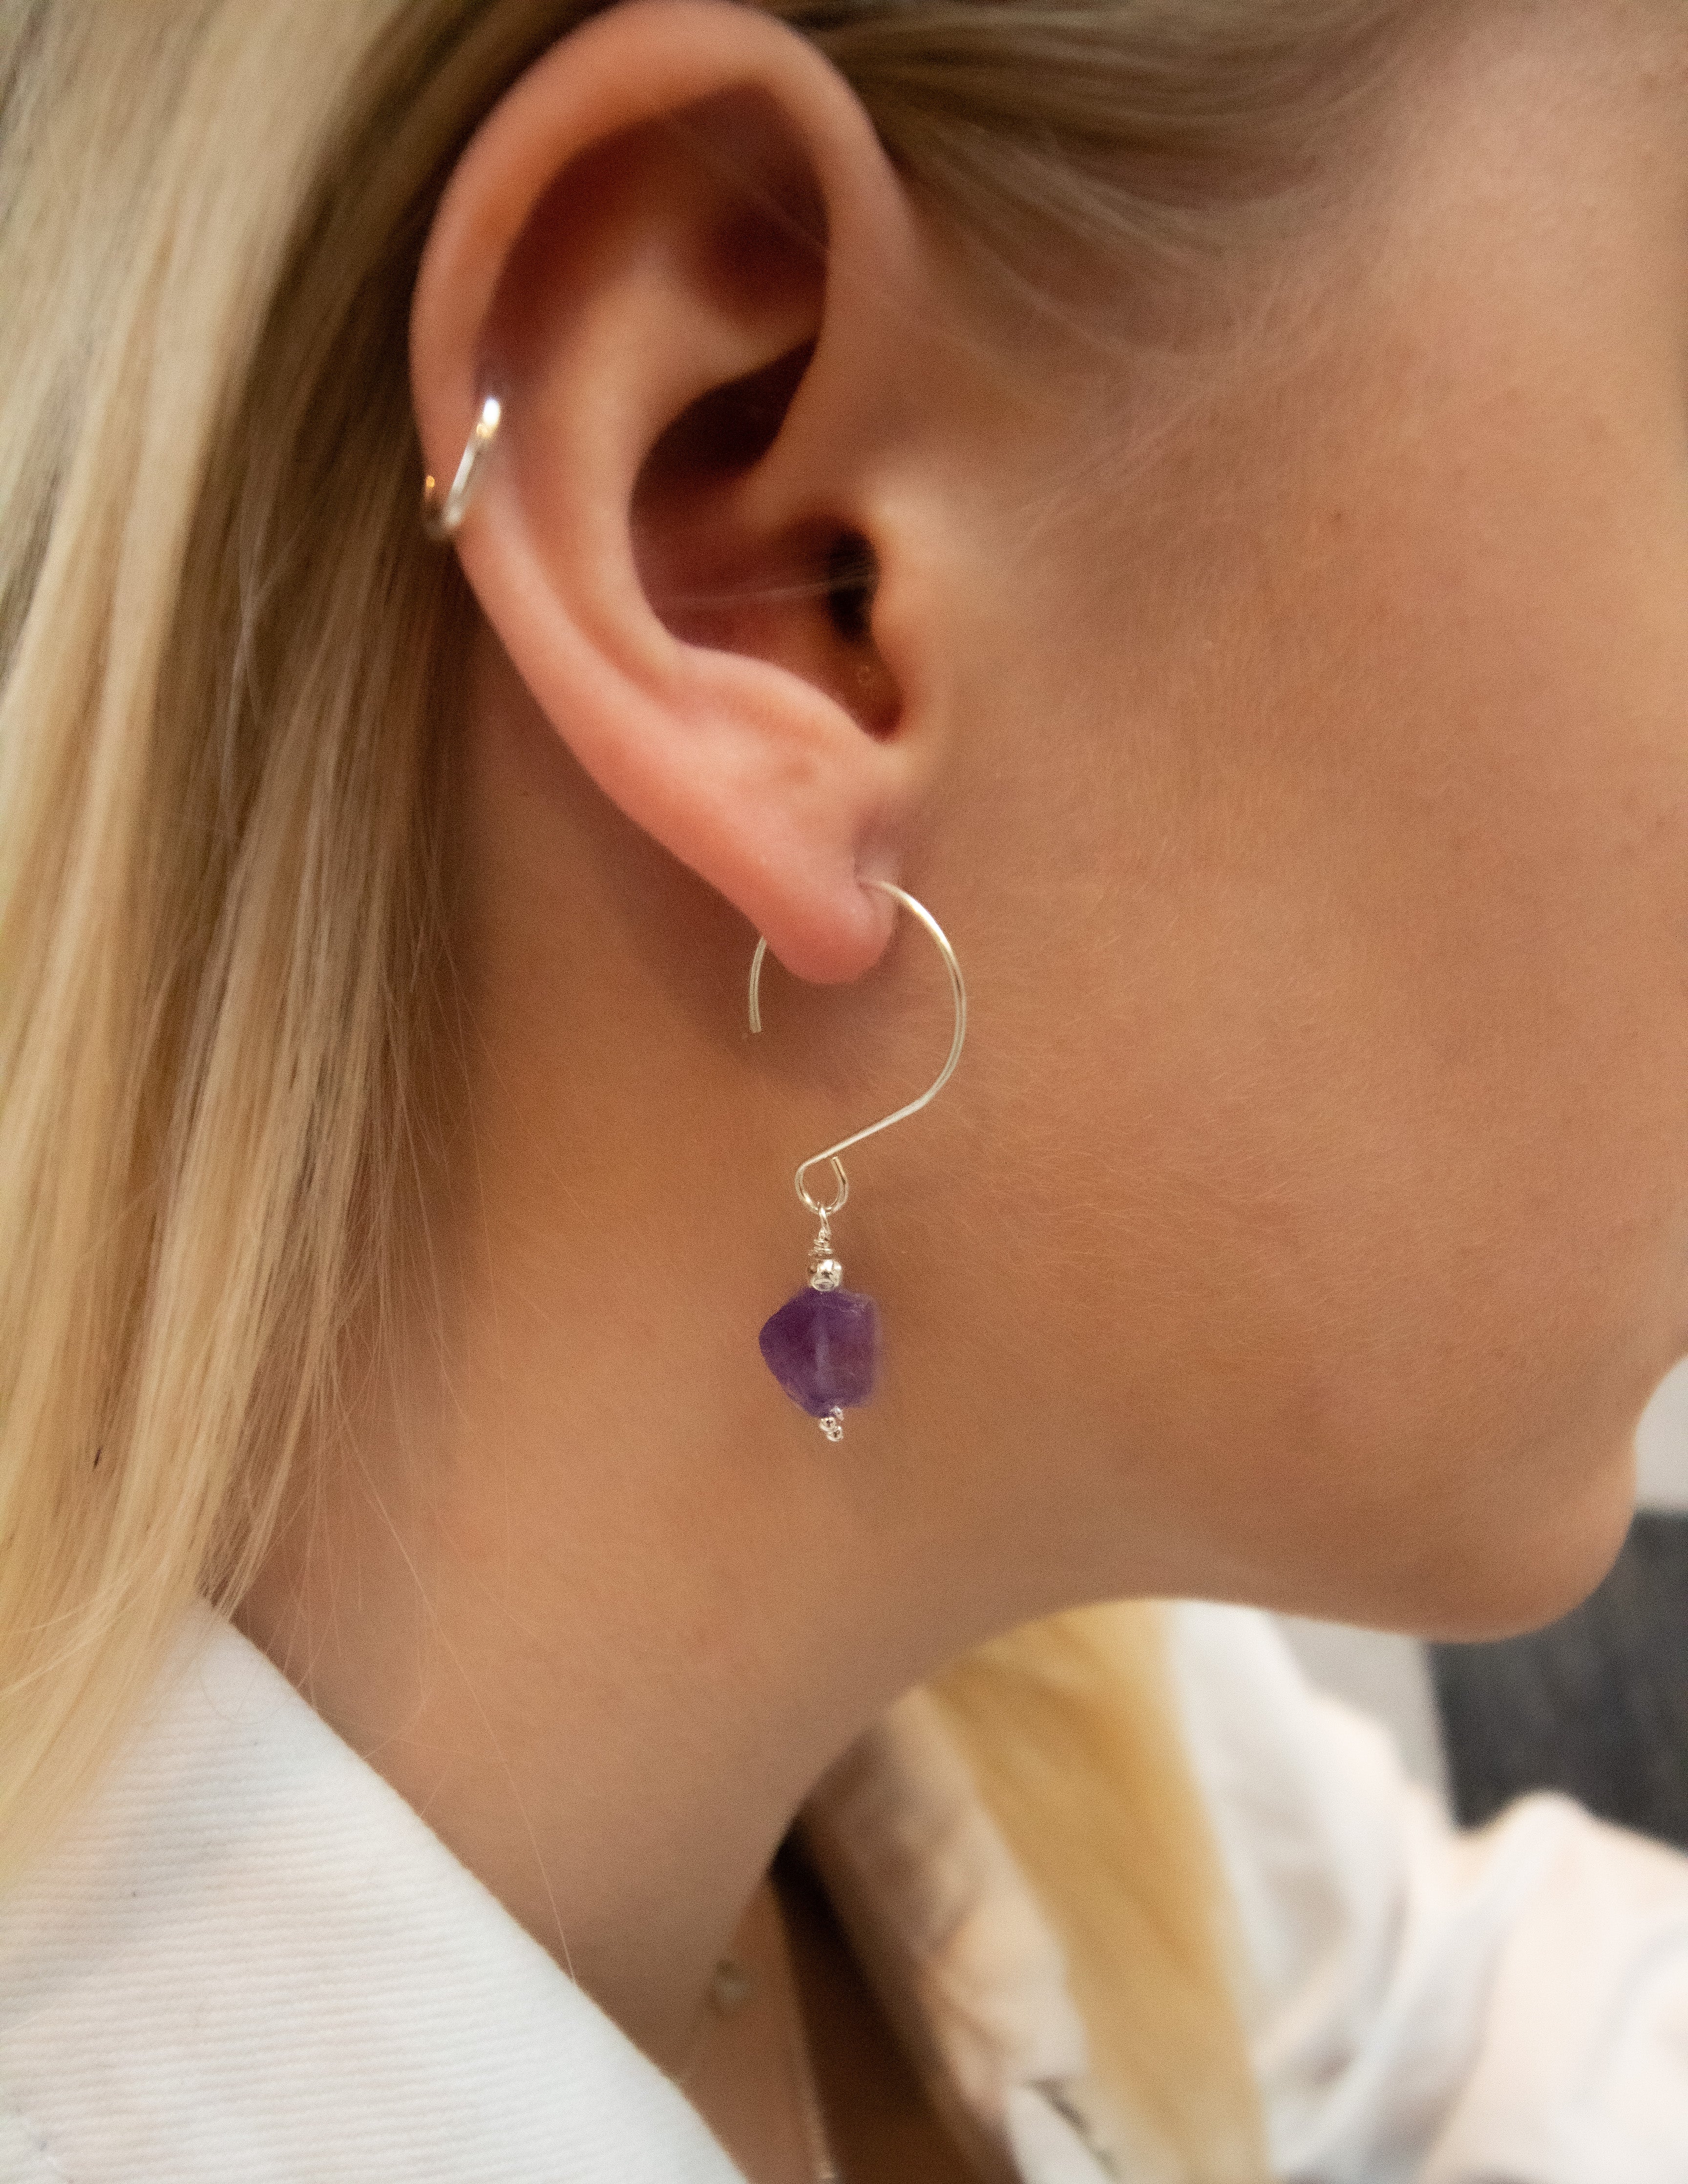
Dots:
pixel 1537 1563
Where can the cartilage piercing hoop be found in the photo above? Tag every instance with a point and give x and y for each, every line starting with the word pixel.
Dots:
pixel 823 1347
pixel 443 513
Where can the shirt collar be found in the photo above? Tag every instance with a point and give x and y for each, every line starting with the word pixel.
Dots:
pixel 249 1958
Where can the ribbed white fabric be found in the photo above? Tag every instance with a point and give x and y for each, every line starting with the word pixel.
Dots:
pixel 251 1963
pixel 23 2159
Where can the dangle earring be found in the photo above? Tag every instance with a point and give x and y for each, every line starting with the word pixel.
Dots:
pixel 823 1347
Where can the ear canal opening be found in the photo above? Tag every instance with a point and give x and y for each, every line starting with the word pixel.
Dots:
pixel 852 582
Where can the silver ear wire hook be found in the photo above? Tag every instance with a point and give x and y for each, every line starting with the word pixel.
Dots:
pixel 443 513
pixel 958 993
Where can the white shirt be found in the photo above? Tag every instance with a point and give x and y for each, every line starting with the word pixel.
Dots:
pixel 250 1962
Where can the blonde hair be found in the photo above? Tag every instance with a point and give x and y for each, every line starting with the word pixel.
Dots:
pixel 222 640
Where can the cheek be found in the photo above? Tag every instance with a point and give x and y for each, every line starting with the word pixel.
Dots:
pixel 1340 996
pixel 1327 836
pixel 1281 1241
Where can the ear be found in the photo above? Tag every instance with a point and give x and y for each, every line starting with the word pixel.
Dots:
pixel 678 254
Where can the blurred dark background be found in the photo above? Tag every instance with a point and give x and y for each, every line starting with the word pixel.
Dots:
pixel 1595 1705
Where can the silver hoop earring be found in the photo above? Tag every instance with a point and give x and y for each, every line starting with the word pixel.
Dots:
pixel 443 513
pixel 822 1346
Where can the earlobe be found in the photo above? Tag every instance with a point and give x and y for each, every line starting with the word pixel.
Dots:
pixel 677 253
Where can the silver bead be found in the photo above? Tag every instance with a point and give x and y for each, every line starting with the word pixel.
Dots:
pixel 730 1987
pixel 833 1425
pixel 826 1275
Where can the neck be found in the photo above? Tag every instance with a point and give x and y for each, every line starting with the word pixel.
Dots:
pixel 573 1574
pixel 602 1629
pixel 575 1577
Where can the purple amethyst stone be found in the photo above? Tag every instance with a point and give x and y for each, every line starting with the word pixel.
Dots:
pixel 823 1349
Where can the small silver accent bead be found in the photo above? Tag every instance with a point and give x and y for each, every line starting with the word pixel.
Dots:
pixel 731 1987
pixel 826 1275
pixel 833 1425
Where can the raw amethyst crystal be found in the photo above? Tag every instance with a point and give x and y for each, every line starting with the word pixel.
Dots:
pixel 823 1349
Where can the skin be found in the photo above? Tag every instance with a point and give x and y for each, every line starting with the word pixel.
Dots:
pixel 1283 710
